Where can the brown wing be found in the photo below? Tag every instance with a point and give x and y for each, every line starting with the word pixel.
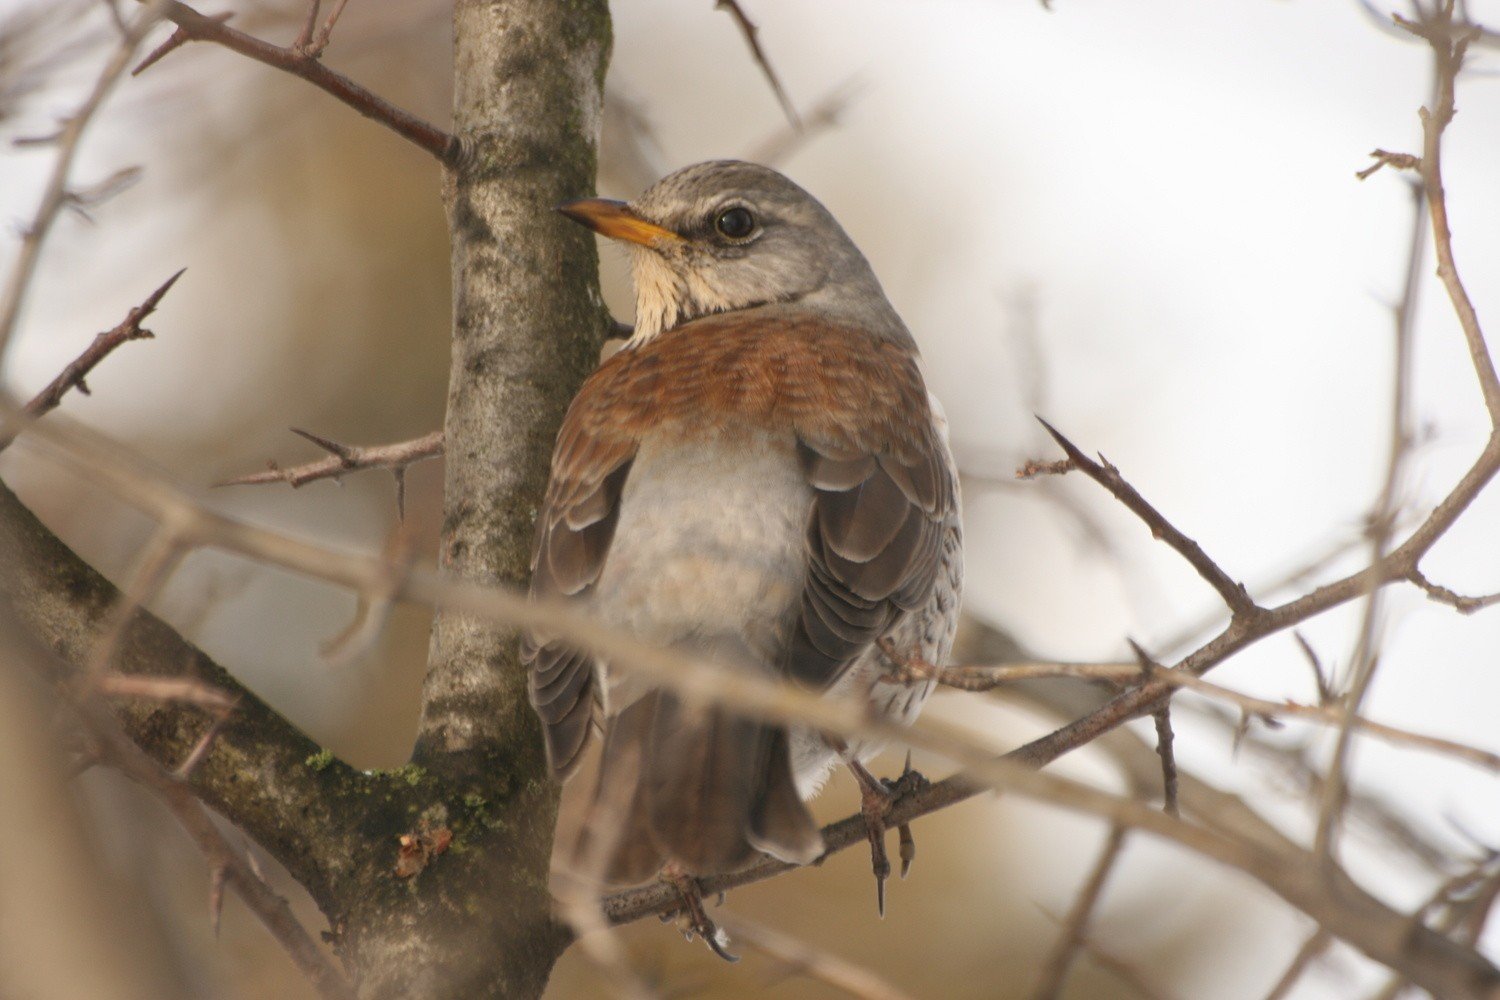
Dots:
pixel 884 489
pixel 573 532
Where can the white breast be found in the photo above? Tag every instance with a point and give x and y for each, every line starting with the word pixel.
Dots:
pixel 710 545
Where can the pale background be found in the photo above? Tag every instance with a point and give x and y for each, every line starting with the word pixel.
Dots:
pixel 1139 220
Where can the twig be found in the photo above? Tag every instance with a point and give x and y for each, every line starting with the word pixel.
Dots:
pixel 72 376
pixel 752 39
pixel 1320 679
pixel 1447 58
pixel 1075 925
pixel 815 963
pixel 1441 594
pixel 345 458
pixel 195 27
pixel 977 678
pixel 1106 475
pixel 55 194
pixel 1448 49
pixel 1164 738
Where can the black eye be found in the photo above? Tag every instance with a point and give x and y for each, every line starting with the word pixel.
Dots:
pixel 735 223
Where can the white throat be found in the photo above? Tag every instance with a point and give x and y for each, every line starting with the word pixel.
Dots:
pixel 668 293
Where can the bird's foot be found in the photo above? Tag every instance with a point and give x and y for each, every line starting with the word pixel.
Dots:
pixel 875 800
pixel 693 920
pixel 906 668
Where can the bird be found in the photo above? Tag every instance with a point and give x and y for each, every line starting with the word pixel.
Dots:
pixel 759 477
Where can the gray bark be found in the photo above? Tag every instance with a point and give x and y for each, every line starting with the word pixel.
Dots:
pixel 529 322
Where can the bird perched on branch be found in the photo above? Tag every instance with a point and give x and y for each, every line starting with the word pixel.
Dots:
pixel 761 479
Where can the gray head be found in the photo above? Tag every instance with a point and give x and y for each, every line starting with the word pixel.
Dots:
pixel 727 235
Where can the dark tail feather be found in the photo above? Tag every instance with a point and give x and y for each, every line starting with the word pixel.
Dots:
pixel 780 824
pixel 617 821
pixel 719 790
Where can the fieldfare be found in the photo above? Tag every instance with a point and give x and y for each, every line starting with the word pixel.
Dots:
pixel 758 477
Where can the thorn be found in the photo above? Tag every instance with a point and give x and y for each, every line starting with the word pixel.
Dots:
pixel 399 471
pixel 343 451
pixel 178 39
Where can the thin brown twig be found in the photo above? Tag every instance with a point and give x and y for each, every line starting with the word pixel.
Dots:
pixel 77 370
pixel 345 458
pixel 1443 595
pixel 751 34
pixel 1164 740
pixel 193 26
pixel 1105 474
pixel 1449 43
pixel 983 678
pixel 1054 971
pixel 55 193
pixel 1365 658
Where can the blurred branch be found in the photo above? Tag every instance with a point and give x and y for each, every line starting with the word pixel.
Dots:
pixel 72 377
pixel 1324 894
pixel 195 27
pixel 55 193
pixel 824 114
pixel 1075 925
pixel 799 957
pixel 255 773
pixel 227 863
pixel 1449 42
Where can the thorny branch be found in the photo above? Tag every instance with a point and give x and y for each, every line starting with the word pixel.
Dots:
pixel 344 458
pixel 1105 474
pixel 72 376
pixel 302 60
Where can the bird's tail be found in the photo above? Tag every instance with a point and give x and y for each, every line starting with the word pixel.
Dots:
pixel 701 787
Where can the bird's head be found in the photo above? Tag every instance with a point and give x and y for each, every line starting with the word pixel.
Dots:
pixel 726 235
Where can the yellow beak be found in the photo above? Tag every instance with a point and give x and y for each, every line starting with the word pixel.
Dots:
pixel 615 220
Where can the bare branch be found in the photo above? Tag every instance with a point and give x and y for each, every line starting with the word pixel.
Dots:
pixel 345 458
pixel 1441 594
pixel 752 39
pixel 72 376
pixel 195 27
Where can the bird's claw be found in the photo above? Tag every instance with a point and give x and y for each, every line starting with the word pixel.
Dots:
pixel 876 797
pixel 693 920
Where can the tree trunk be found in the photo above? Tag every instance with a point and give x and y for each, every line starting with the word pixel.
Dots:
pixel 528 323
